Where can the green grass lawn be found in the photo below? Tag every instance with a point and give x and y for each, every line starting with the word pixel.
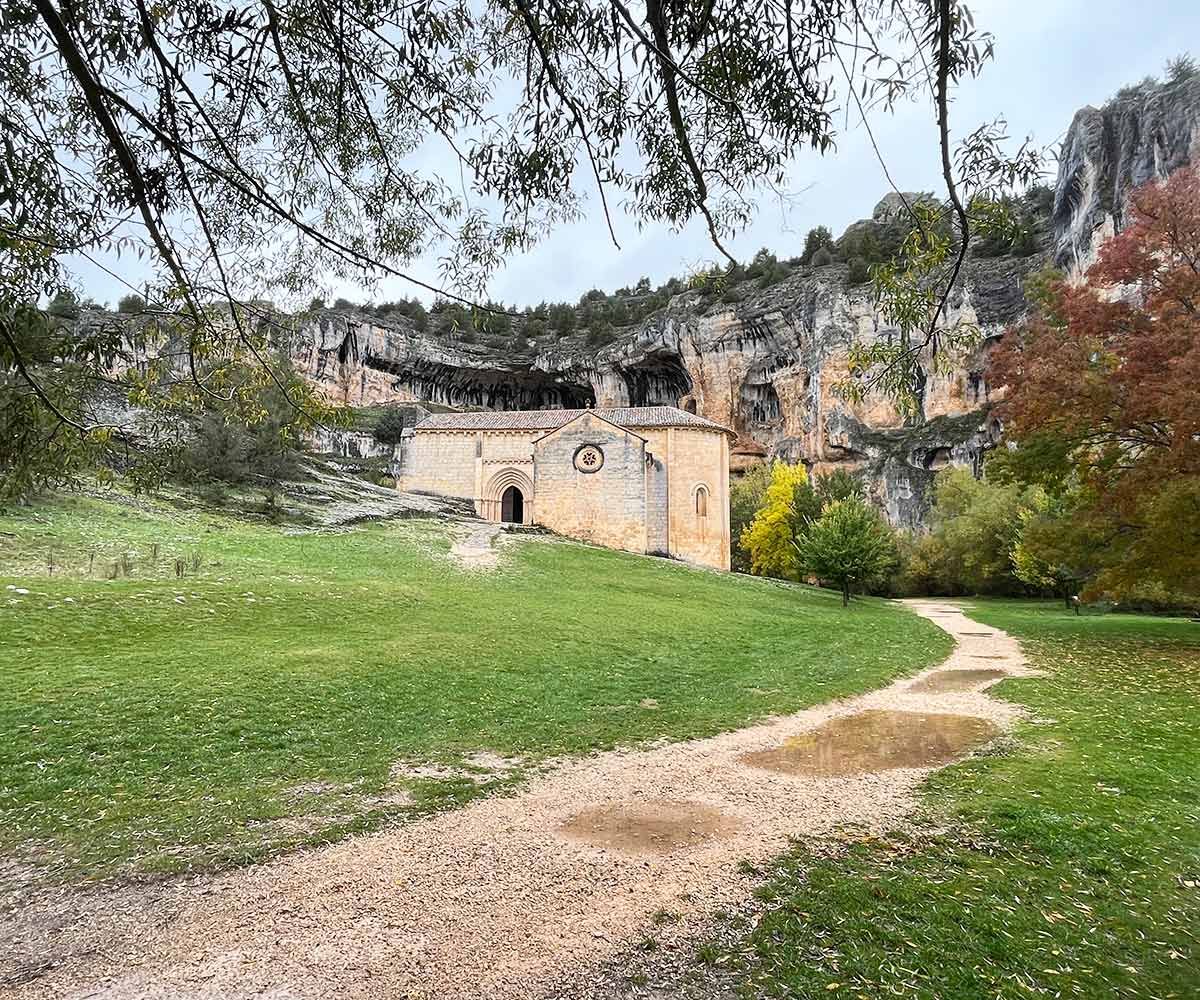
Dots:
pixel 155 724
pixel 1068 867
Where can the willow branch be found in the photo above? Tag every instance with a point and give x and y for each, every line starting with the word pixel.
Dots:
pixel 36 386
pixel 654 14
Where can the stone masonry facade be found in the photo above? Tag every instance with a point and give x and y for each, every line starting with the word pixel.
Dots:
pixel 641 479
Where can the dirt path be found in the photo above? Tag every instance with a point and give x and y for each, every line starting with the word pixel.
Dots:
pixel 506 896
pixel 477 548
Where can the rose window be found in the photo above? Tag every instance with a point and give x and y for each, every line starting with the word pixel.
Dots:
pixel 589 458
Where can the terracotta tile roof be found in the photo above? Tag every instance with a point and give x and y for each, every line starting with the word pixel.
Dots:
pixel 633 417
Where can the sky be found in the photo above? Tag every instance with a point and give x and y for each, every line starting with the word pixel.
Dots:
pixel 1052 58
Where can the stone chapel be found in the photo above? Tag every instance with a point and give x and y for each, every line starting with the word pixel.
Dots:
pixel 651 479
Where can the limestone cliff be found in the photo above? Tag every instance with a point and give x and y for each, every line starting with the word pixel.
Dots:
pixel 765 366
pixel 764 357
pixel 1143 133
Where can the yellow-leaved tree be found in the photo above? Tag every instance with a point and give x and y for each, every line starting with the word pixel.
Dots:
pixel 769 537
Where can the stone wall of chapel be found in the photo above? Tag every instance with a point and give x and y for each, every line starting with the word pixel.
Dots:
pixel 500 453
pixel 657 527
pixel 607 507
pixel 441 462
pixel 630 504
pixel 695 458
pixel 515 445
pixel 461 463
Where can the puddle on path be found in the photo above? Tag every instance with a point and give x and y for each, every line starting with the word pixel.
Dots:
pixel 957 680
pixel 988 656
pixel 655 826
pixel 985 634
pixel 876 740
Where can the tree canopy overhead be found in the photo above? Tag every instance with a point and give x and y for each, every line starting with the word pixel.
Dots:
pixel 223 137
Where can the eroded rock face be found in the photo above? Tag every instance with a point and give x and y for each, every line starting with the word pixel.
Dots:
pixel 767 367
pixel 359 362
pixel 1144 133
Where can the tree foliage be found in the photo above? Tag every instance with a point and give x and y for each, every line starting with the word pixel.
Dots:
pixel 214 126
pixel 770 538
pixel 912 287
pixel 817 238
pixel 975 525
pixel 1024 216
pixel 1103 393
pixel 267 148
pixel 815 493
pixel 255 439
pixel 850 546
pixel 50 434
pixel 758 501
pixel 745 497
pixel 64 305
pixel 978 523
pixel 1053 553
pixel 390 427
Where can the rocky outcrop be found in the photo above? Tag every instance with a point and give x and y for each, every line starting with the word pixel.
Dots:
pixel 1143 133
pixel 767 366
pixel 769 369
pixel 360 362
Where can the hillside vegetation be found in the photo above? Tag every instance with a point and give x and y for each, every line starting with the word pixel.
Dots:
pixel 599 318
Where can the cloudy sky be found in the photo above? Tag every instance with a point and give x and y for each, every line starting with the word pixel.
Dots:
pixel 1052 58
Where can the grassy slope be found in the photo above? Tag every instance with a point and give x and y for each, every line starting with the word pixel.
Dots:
pixel 1071 867
pixel 156 724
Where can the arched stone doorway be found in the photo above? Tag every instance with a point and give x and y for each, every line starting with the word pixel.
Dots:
pixel 512 506
pixel 508 496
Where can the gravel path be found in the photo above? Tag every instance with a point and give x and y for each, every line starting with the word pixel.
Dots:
pixel 504 897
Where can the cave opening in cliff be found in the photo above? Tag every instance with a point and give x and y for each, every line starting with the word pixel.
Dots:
pixel 659 379
pixel 760 403
pixel 935 458
pixel 346 348
pixel 486 389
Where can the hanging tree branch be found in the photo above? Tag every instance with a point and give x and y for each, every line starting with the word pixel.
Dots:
pixel 942 100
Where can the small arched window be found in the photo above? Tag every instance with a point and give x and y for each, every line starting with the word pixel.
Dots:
pixel 702 501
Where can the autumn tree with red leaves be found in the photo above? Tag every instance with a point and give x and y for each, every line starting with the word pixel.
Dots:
pixel 1103 397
